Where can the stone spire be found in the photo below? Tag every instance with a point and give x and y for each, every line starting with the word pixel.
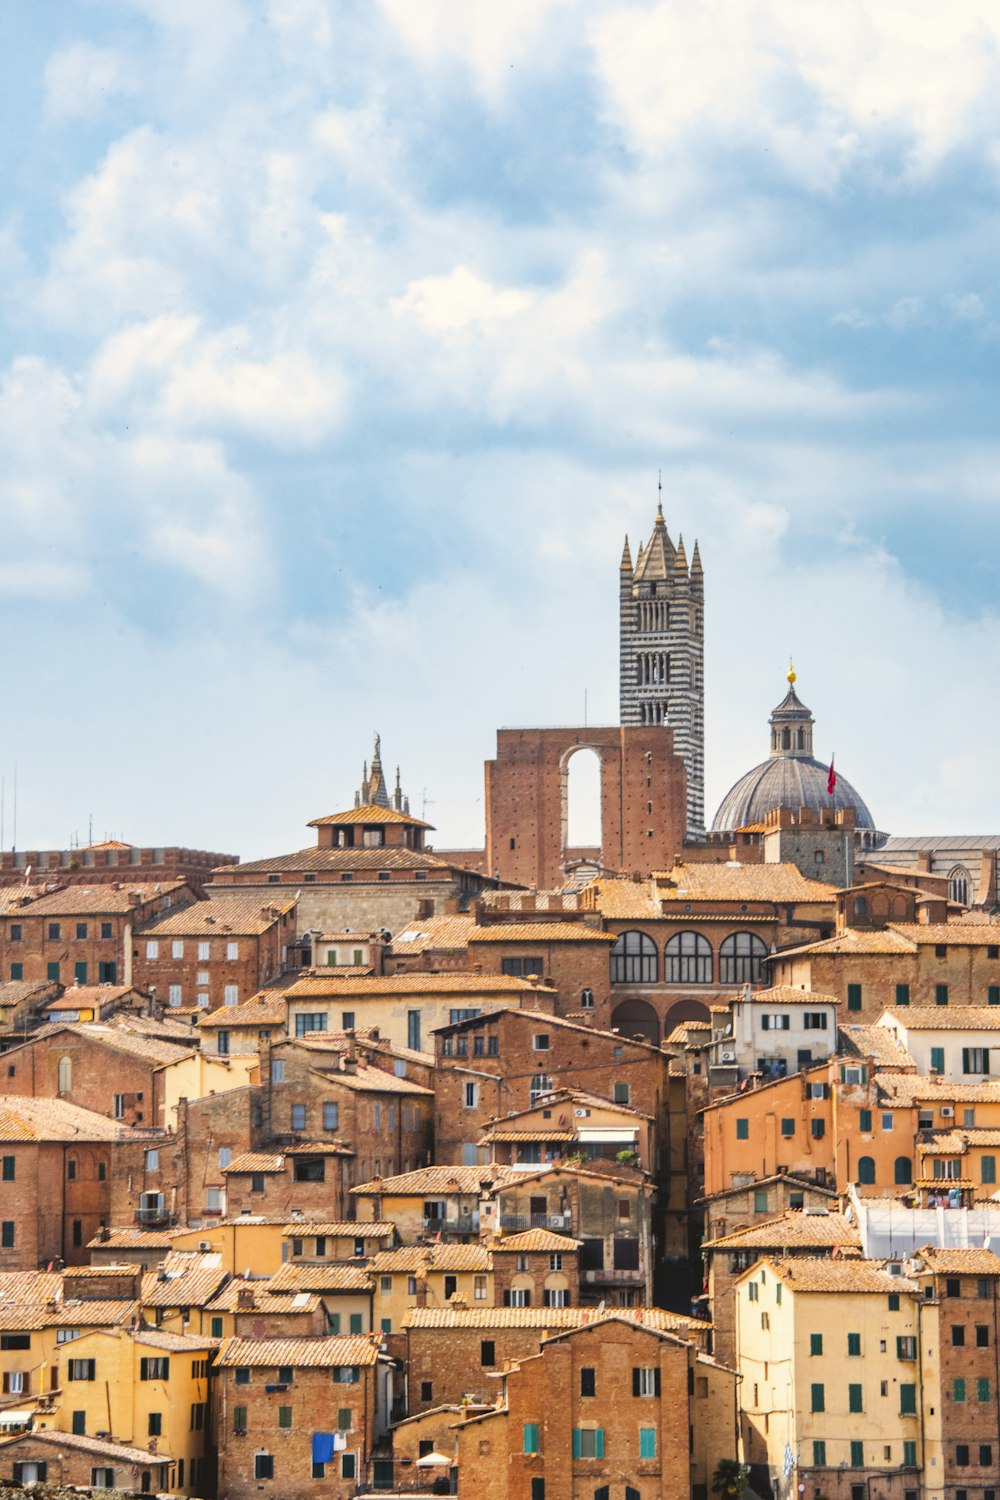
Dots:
pixel 791 723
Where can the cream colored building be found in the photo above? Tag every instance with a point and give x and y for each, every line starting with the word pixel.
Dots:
pixel 827 1352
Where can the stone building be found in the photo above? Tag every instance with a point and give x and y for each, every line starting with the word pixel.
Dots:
pixel 214 952
pixel 662 652
pixel 111 862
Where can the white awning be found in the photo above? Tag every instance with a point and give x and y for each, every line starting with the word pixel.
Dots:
pixel 595 1135
pixel 15 1418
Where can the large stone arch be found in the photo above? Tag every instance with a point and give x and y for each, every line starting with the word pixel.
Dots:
pixel 643 801
pixel 635 1017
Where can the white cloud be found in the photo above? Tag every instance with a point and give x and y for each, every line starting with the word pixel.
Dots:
pixel 81 80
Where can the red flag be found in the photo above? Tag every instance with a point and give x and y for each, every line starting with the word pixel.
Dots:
pixel 831 780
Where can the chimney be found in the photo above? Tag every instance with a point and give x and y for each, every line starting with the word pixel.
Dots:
pixel 245 1299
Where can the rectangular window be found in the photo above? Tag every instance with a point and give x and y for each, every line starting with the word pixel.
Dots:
pixel 17 971
pixel 985 1455
pixel 81 1369
pixel 940 994
pixel 854 997
pixel 958 1388
pixel 743 1130
pixel 760 1202
pixel 906 1347
pixel 818 1394
pixel 988 1169
pixel 857 1454
pixel 907 1400
pixel 817 1129
pixel 177 948
pixel 52 972
pixel 298 1117
pixel 982 1336
pixel 588 1381
pixel 975 1059
pixel 993 995
pixel 621 1093
pixel 854 1401
pixel 54 932
pixel 174 995
pixel 310 1020
pixel 231 996
pixel 854 1343
pixel 588 1442
pixel 647 1442
pixel 646 1380
pixel 80 972
pixel 983 1392
pixel 537 1487
pixel 152 948
pixel 902 994
pixel 787 1127
pixel 937 1059
pixel 819 1454
pixel 865 1121
pixel 909 1454
pixel 7 1234
pixel 9 1168
pixel 348 1466
pixel 154 1368
pixel 531 1437
pixel 958 1335
pixel 815 1343
pixel 961 1455
pixel 263 1466
pixel 284 1416
pixel 15 932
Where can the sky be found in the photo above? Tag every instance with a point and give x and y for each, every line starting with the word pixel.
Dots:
pixel 341 345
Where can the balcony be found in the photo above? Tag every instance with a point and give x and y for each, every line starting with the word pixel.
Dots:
pixel 519 1222
pixel 616 1276
pixel 153 1215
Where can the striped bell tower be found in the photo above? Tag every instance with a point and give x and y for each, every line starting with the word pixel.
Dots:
pixel 662 652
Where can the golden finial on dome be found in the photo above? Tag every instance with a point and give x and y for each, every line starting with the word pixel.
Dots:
pixel 790 674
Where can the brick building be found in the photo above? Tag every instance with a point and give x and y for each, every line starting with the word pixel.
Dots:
pixel 81 934
pixel 500 1063
pixel 572 1122
pixel 65 1458
pixel 454 1351
pixel 312 1178
pixel 294 1411
pixel 216 952
pixel 536 1268
pixel 57 1181
pixel 615 1407
pixel 111 862
pixel 440 1201
pixel 22 1007
pixel 97 1067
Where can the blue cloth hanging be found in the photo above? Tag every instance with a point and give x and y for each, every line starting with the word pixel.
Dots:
pixel 322 1447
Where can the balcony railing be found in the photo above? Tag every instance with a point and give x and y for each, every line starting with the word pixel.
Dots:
pixel 615 1274
pixel 152 1215
pixel 536 1221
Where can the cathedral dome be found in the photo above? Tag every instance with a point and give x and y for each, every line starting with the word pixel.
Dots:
pixel 791 777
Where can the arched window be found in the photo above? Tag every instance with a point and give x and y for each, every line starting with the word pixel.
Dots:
pixel 541 1084
pixel 586 999
pixel 866 1169
pixel 687 959
pixel 631 1493
pixel 960 885
pixel 65 1074
pixel 741 958
pixel 903 1170
pixel 633 959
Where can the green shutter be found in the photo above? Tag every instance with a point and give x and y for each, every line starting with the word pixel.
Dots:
pixel 937 1059
pixel 940 994
pixel 818 1398
pixel 908 1400
pixel 993 995
pixel 854 1401
pixel 865 1121
pixel 819 1454
pixel 958 1388
pixel 355 1322
pixel 647 1442
pixel 982 1390
pixel 988 1169
pixel 531 1438
pixel 894 1302
pixel 902 994
pixel 599 1443
pixel 854 997
pixel 909 1454
pixel 815 1343
pixel 854 1343
pixel 857 1454
pixel 576 1441
pixel 742 1130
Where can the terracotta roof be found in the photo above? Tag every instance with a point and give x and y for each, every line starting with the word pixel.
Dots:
pixel 876 1042
pixel 438 1180
pixel 395 985
pixel 540 932
pixel 256 1161
pixel 427 933
pixel 24 1119
pixel 759 1182
pixel 97 1312
pixel 853 940
pixel 545 1318
pixel 945 1017
pixel 336 861
pixel 174 1343
pixel 791 1228
pixel 537 1239
pixel 367 1079
pixel 910 1088
pixel 789 994
pixel 974 1261
pixel 426 1258
pixel 739 882
pixel 301 1353
pixel 809 1274
pixel 266 1008
pixel 194 1288
pixel 542 1133
pixel 952 934
pixel 88 996
pixel 219 916
pixel 14 991
pixel 369 812
pixel 957 1142
pixel 29 1286
pixel 265 1300
pixel 134 1239
pixel 347 1229
pixel 97 1447
pixel 625 900
pixel 104 1034
pixel 334 1276
pixel 109 898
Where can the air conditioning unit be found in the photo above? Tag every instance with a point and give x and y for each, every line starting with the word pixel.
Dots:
pixel 728 1057
pixel 947 1111
pixel 204 1244
pixel 582 1114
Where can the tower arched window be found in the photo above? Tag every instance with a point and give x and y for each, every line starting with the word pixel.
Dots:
pixel 786 739
pixel 65 1075
pixel 742 956
pixel 633 959
pixel 960 885
pixel 687 959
